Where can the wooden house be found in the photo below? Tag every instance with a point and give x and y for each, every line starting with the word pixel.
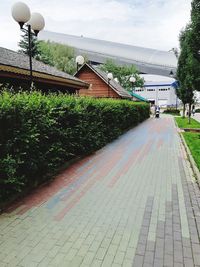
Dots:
pixel 99 84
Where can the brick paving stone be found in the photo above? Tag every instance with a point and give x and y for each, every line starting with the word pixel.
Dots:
pixel 138 261
pixel 150 246
pixel 149 257
pixel 127 263
pixel 188 262
pixel 88 258
pixel 134 202
pixel 168 260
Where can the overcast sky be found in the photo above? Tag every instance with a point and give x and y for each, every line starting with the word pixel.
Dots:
pixel 147 23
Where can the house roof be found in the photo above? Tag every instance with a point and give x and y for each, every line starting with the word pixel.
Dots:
pixel 113 84
pixel 150 79
pixel 13 62
pixel 139 97
pixel 146 60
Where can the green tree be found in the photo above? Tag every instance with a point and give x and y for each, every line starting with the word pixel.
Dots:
pixel 58 55
pixel 186 69
pixel 175 51
pixel 195 42
pixel 123 74
pixel 188 72
pixel 24 43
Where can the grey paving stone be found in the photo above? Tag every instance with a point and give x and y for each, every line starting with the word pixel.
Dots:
pixel 168 260
pixel 141 248
pixel 138 261
pixel 149 257
pixel 188 262
pixel 150 246
pixel 158 263
pixel 187 252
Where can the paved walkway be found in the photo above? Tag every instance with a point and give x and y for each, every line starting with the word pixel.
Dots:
pixel 134 203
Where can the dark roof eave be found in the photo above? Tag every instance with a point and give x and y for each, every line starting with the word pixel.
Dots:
pixel 51 77
pixel 19 63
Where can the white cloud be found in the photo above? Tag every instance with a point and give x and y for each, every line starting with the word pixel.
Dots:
pixel 148 23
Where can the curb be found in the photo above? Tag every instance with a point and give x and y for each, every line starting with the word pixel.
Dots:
pixel 194 130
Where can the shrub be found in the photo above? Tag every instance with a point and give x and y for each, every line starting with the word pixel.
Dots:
pixel 39 133
pixel 172 111
pixel 197 110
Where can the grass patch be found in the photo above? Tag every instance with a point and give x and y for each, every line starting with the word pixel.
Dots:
pixel 183 123
pixel 193 142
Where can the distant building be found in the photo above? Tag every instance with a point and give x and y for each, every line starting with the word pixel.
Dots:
pixel 98 51
pixel 159 90
pixel 14 69
pixel 197 97
pixel 99 85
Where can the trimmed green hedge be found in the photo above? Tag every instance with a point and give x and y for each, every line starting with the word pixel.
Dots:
pixel 39 133
pixel 172 111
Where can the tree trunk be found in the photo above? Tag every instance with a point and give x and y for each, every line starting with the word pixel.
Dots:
pixel 189 114
pixel 183 111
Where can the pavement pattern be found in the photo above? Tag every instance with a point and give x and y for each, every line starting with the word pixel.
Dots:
pixel 133 203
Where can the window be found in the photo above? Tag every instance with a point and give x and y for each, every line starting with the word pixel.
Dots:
pixel 150 90
pixel 163 89
pixel 139 90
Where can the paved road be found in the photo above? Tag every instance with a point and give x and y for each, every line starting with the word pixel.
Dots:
pixel 134 203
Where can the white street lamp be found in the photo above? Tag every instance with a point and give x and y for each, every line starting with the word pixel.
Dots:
pixel 132 80
pixel 116 80
pixel 110 77
pixel 35 21
pixel 79 61
pixel 21 13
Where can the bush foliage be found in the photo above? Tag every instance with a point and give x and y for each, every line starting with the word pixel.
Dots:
pixel 39 133
pixel 172 111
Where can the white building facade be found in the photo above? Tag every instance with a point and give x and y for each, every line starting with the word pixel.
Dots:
pixel 159 90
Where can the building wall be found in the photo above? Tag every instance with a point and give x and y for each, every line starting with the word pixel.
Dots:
pixel 98 88
pixel 162 95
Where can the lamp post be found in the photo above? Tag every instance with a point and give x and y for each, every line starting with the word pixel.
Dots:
pixel 132 80
pixel 79 61
pixel 35 22
pixel 110 77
